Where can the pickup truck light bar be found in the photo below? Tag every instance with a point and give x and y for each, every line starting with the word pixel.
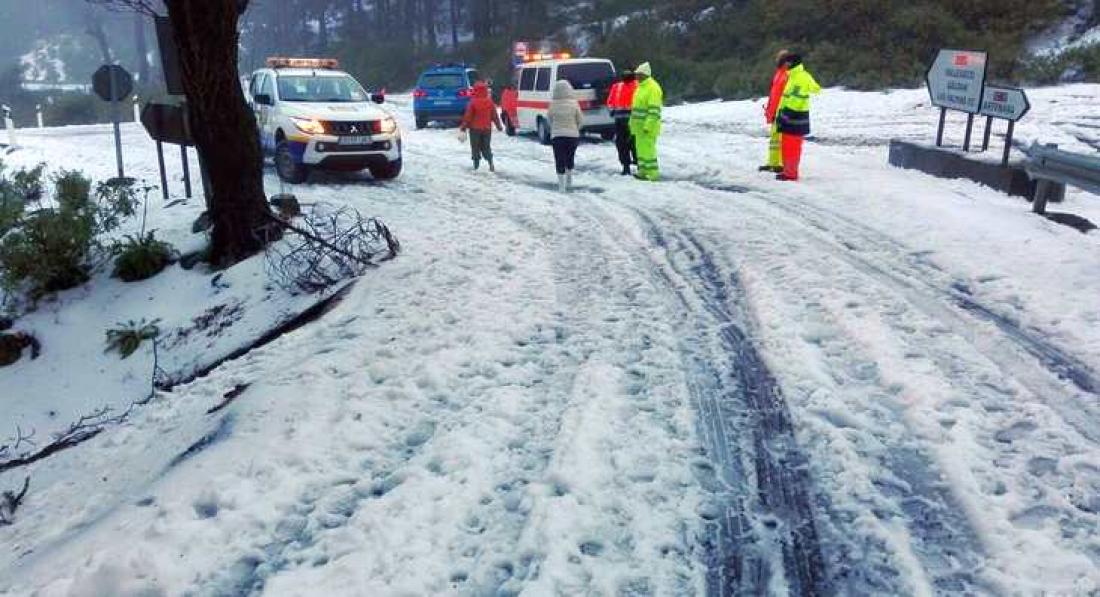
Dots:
pixel 280 62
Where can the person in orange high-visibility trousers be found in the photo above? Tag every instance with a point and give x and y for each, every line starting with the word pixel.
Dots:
pixel 775 96
pixel 794 114
pixel 620 102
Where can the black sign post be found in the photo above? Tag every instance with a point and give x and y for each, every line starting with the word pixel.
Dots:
pixel 956 81
pixel 112 83
pixel 1004 103
pixel 167 123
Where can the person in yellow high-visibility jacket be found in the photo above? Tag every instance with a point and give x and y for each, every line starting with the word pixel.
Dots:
pixel 645 121
pixel 793 120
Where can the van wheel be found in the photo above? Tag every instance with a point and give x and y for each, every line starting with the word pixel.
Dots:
pixel 288 169
pixel 388 172
pixel 421 122
pixel 543 131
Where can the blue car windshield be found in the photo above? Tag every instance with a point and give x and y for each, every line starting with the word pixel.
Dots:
pixel 301 88
pixel 443 81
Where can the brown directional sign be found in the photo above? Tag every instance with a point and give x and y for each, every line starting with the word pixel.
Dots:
pixel 164 122
pixel 121 89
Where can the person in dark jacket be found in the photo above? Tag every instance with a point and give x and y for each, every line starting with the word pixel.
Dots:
pixel 480 118
pixel 620 102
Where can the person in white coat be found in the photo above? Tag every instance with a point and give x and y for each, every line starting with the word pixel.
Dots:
pixel 566 118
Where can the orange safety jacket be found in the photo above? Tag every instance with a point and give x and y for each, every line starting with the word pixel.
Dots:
pixel 779 84
pixel 620 100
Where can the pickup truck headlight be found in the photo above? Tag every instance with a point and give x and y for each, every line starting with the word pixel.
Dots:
pixel 308 125
pixel 388 125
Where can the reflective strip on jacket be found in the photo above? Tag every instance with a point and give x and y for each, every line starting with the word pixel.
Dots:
pixel 794 110
pixel 645 117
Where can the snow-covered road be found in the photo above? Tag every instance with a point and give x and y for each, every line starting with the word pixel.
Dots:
pixel 871 382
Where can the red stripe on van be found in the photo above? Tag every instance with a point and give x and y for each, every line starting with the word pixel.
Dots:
pixel 540 105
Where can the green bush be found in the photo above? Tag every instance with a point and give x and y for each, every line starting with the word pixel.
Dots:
pixel 141 257
pixel 127 337
pixel 75 108
pixel 49 251
pixel 73 190
pixel 1049 70
pixel 861 44
pixel 21 188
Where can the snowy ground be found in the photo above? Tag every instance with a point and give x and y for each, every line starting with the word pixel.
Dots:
pixel 871 382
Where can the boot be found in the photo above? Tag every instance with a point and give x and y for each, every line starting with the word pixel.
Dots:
pixel 626 170
pixel 477 164
pixel 492 168
pixel 774 169
pixel 568 180
pixel 561 183
pixel 785 177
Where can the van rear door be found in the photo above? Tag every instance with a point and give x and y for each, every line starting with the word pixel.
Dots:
pixel 591 80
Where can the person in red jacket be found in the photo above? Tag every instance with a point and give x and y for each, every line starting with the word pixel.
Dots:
pixel 779 83
pixel 620 102
pixel 480 117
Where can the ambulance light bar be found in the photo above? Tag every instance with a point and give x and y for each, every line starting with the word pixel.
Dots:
pixel 548 56
pixel 279 62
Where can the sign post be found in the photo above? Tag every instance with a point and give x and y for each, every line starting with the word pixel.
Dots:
pixel 112 83
pixel 1004 103
pixel 956 81
pixel 166 123
pixel 9 124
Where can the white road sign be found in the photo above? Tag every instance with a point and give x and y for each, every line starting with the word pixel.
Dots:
pixel 957 79
pixel 1007 103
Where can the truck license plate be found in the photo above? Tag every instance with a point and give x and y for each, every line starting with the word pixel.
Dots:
pixel 355 140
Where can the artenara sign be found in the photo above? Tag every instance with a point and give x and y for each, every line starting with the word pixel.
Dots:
pixel 957 79
pixel 1006 103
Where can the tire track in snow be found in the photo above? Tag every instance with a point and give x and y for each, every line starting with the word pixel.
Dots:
pixel 940 534
pixel 929 289
pixel 1039 364
pixel 765 536
pixel 942 540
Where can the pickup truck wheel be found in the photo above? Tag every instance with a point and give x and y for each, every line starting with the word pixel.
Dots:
pixel 388 172
pixel 288 169
pixel 543 131
pixel 421 122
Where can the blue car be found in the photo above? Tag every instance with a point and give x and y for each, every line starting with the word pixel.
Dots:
pixel 442 93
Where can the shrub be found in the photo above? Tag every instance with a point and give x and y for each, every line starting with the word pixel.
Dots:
pixel 127 338
pixel 48 250
pixel 74 108
pixel 141 257
pixel 22 187
pixel 73 190
pixel 117 198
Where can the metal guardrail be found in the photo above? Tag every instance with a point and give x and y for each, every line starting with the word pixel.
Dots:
pixel 1053 168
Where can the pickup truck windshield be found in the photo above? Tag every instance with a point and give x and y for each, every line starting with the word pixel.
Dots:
pixel 301 88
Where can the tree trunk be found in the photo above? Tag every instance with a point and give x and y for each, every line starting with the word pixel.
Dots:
pixel 223 127
pixel 454 25
pixel 95 30
pixel 322 29
pixel 141 48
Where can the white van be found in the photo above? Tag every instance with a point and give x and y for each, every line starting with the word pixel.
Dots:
pixel 526 103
